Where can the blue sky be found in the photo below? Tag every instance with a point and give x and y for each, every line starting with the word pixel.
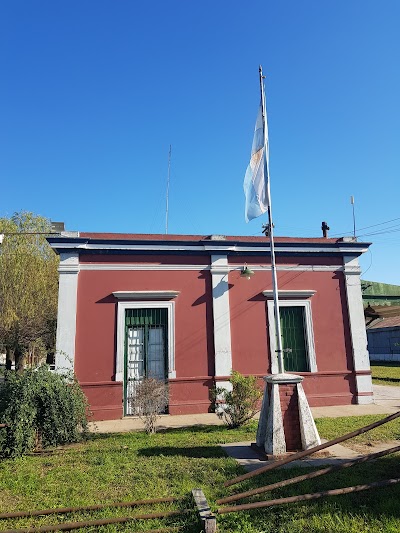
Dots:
pixel 93 93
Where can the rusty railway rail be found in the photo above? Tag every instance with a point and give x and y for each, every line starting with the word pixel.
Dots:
pixel 69 526
pixel 304 477
pixel 162 530
pixel 307 497
pixel 305 453
pixel 64 510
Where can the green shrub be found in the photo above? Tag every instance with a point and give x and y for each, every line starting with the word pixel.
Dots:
pixel 41 409
pixel 150 399
pixel 240 404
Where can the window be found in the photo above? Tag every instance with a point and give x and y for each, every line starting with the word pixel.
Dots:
pixel 145 343
pixel 297 336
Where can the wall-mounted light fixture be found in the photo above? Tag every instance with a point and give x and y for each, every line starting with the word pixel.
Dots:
pixel 246 272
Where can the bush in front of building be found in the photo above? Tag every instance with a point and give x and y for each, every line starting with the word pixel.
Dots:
pixel 40 409
pixel 239 405
pixel 150 399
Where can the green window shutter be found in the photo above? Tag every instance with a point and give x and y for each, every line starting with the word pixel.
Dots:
pixel 293 339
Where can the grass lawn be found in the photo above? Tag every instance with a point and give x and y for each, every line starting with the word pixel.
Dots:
pixel 385 373
pixel 130 466
pixel 330 428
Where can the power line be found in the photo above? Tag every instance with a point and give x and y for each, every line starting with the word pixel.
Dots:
pixel 367 227
pixel 390 229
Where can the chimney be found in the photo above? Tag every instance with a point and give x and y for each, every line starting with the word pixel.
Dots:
pixel 325 228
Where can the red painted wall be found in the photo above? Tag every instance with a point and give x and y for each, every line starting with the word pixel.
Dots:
pixel 334 384
pixel 194 349
pixel 96 334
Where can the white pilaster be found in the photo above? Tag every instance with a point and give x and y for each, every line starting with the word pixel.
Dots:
pixel 357 328
pixel 66 318
pixel 221 314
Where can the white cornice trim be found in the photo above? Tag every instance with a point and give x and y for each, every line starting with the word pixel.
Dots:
pixel 129 266
pixel 68 269
pixel 230 268
pixel 69 263
pixel 157 247
pixel 220 270
pixel 352 270
pixel 145 295
pixel 290 294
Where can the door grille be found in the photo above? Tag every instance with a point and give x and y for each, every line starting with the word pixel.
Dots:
pixel 146 341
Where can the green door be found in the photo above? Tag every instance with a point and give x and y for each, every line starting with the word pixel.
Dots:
pixel 145 348
pixel 293 339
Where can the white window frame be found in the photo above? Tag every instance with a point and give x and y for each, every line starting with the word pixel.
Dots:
pixel 120 355
pixel 309 332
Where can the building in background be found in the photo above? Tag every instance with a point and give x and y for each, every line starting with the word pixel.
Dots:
pixel 178 307
pixel 382 318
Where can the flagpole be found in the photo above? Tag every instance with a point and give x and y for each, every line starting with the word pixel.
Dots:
pixel 270 229
pixel 272 437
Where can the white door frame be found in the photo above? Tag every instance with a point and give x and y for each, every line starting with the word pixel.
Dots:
pixel 120 355
pixel 308 332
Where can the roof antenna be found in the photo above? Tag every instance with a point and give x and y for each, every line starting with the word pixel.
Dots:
pixel 167 198
pixel 354 218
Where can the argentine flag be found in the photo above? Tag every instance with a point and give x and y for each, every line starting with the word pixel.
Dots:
pixel 255 183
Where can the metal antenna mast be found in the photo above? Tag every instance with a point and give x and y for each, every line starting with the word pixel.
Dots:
pixel 354 217
pixel 167 197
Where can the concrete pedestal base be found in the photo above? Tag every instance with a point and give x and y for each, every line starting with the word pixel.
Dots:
pixel 286 423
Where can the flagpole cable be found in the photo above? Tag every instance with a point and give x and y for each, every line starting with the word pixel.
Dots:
pixel 278 332
pixel 167 195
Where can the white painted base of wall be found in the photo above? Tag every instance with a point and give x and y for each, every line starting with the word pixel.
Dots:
pixel 365 400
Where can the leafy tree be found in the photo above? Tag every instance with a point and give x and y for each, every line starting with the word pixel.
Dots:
pixel 28 288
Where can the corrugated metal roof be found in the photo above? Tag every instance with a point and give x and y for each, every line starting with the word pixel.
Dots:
pixel 390 322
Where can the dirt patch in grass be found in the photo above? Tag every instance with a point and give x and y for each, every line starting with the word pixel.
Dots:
pixel 372 447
